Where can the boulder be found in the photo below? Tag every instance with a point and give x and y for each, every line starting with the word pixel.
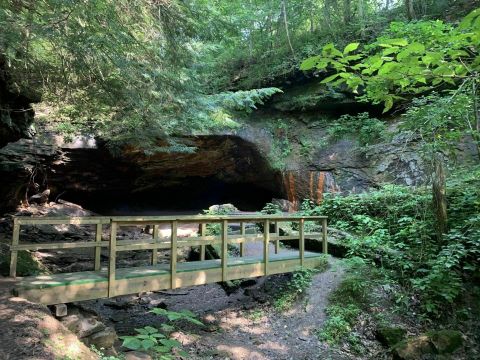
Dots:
pixel 389 336
pixel 137 355
pixel 103 339
pixel 446 341
pixel 83 327
pixel 414 348
pixel 223 209
pixel 439 342
pixel 283 204
pixel 40 198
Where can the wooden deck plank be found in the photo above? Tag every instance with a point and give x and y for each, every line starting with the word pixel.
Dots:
pixel 62 279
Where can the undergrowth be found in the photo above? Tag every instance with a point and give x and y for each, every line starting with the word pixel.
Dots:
pixel 348 301
pixel 394 228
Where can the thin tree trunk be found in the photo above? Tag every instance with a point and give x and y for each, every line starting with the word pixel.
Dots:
pixel 410 9
pixel 326 14
pixel 476 114
pixel 347 12
pixel 361 15
pixel 250 35
pixel 439 195
pixel 285 22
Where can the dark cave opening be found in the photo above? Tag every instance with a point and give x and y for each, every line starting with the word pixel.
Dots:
pixel 224 169
pixel 196 195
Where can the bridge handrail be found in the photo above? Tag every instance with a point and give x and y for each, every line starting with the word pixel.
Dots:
pixel 156 243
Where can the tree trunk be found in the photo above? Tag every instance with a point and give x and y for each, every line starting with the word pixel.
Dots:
pixel 285 22
pixel 361 15
pixel 476 115
pixel 410 9
pixel 326 14
pixel 439 195
pixel 347 11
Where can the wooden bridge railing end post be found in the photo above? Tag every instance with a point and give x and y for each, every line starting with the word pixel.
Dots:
pixel 301 245
pixel 266 245
pixel 14 253
pixel 324 236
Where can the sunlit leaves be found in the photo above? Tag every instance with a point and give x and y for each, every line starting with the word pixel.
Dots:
pixel 350 47
pixel 429 54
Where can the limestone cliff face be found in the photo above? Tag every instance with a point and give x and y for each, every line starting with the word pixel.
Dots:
pixel 279 152
pixel 232 166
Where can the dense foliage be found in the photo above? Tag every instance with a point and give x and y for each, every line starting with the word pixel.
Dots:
pixel 394 227
pixel 119 69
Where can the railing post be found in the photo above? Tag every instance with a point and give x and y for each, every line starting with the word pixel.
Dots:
pixel 301 245
pixel 243 243
pixel 203 231
pixel 224 249
pixel 173 255
pixel 266 243
pixel 155 241
pixel 112 259
pixel 277 234
pixel 98 247
pixel 324 236
pixel 14 253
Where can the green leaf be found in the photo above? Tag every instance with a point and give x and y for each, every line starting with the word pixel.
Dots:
pixel 148 343
pixel 391 50
pixel 151 330
pixel 330 49
pixel 397 42
pixel 330 78
pixel 309 63
pixel 350 47
pixel 162 349
pixel 132 343
pixel 387 68
pixel 416 48
pixel 322 64
pixel 142 331
pixel 388 104
pixel 170 343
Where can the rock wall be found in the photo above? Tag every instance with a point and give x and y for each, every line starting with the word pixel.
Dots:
pixel 223 167
pixel 16 113
pixel 238 162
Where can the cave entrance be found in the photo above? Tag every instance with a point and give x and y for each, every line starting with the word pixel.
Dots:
pixel 224 169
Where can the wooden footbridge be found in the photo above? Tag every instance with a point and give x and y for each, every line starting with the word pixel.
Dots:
pixel 111 281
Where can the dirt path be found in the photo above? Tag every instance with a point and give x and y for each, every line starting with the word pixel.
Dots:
pixel 263 333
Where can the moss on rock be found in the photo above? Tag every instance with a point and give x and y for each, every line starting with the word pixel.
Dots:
pixel 389 336
pixel 413 348
pixel 27 264
pixel 446 341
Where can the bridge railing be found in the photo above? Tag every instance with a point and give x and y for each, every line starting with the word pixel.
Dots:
pixel 173 242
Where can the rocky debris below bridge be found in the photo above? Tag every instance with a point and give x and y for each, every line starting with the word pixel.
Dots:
pixel 30 332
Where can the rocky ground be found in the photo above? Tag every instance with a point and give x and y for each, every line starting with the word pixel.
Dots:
pixel 240 321
pixel 30 332
pixel 241 324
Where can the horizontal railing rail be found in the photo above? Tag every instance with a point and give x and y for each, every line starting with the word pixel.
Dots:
pixel 173 241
